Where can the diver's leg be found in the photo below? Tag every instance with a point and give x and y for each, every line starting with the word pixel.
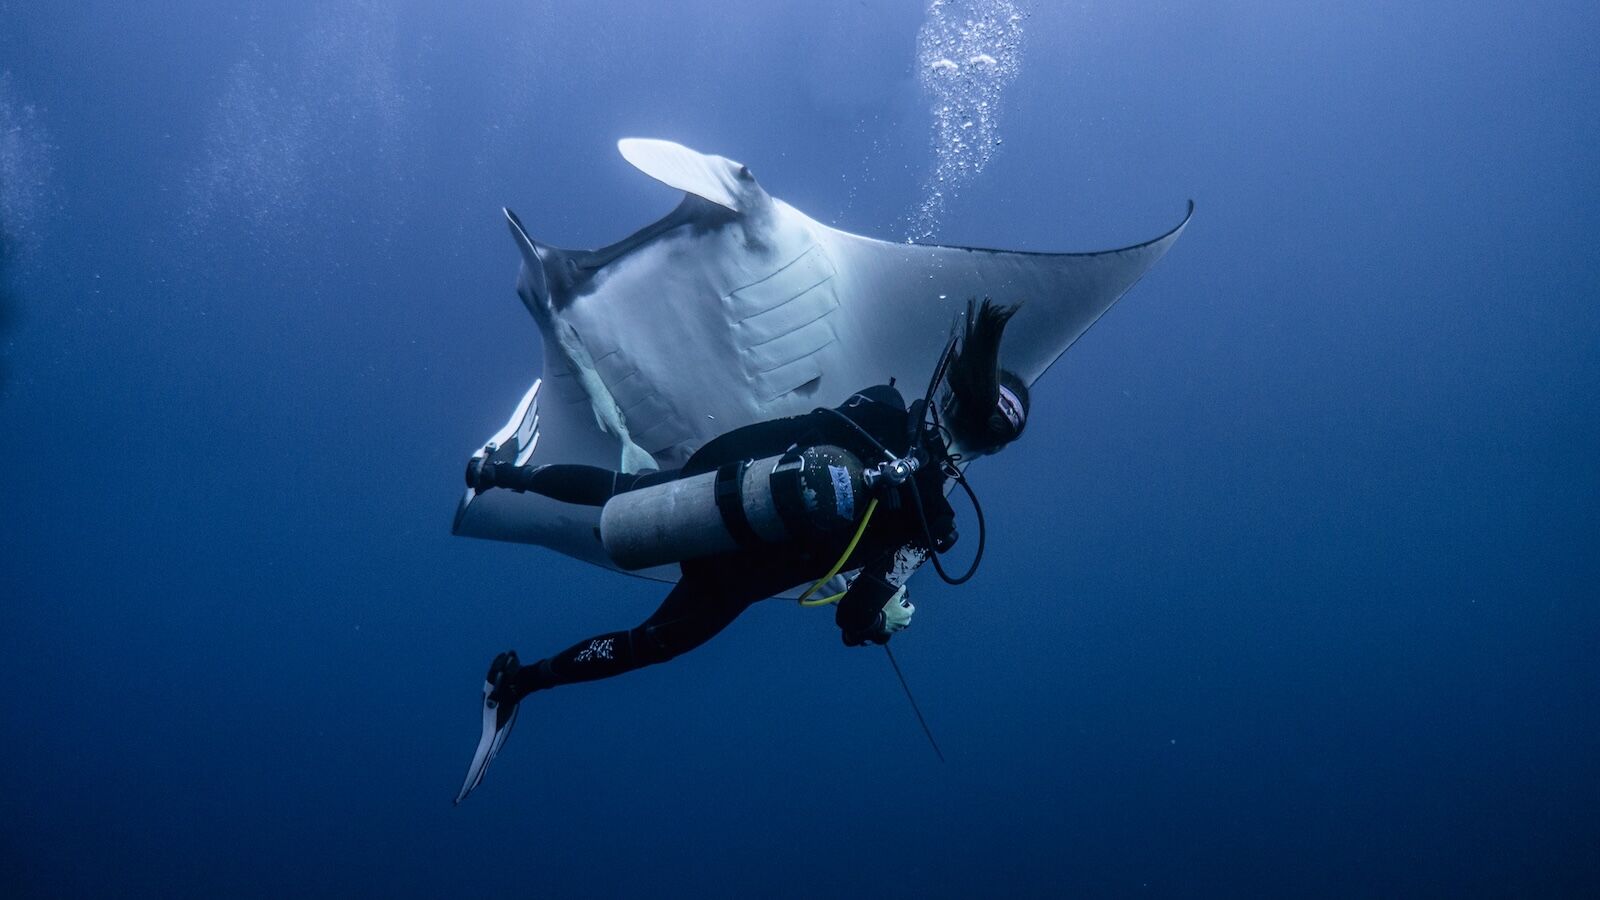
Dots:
pixel 703 603
pixel 693 613
pixel 567 482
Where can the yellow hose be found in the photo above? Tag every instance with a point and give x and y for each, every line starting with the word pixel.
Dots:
pixel 849 549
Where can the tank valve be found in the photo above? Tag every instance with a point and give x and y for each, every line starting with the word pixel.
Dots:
pixel 892 473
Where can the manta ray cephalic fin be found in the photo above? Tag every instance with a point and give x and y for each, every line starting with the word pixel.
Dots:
pixel 579 363
pixel 715 178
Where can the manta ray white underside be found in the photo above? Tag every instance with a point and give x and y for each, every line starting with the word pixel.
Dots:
pixel 736 308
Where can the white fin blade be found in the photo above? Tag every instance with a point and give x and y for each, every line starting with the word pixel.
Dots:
pixel 522 427
pixel 527 452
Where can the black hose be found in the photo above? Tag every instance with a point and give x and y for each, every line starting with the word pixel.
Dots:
pixel 927 536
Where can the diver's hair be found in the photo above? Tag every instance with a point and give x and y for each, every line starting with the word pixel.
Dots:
pixel 971 404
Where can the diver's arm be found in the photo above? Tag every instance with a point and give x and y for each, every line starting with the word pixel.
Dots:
pixel 566 482
pixel 860 613
pixel 875 605
pixel 865 612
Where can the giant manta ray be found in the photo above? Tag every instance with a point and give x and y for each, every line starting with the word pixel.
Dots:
pixel 735 308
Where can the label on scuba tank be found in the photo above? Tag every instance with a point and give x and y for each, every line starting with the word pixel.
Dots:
pixel 844 493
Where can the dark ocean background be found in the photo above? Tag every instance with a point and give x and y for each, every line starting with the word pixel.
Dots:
pixel 1291 588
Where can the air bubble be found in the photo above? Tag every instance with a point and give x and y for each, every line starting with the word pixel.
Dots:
pixel 966 97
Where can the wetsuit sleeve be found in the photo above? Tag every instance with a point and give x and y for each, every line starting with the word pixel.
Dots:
pixel 567 482
pixel 860 609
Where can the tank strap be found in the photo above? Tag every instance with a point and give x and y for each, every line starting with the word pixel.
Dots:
pixel 729 491
pixel 788 494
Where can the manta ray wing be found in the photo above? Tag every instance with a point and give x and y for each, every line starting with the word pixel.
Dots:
pixel 902 298
pixel 736 308
pixel 555 419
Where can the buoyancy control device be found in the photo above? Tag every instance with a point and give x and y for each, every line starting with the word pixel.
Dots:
pixel 801 495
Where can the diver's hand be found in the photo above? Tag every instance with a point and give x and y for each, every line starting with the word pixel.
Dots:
pixel 894 618
pixel 896 615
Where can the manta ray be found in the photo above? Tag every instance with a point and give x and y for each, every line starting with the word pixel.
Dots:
pixel 737 308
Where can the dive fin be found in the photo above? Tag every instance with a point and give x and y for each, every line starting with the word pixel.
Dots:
pixel 499 715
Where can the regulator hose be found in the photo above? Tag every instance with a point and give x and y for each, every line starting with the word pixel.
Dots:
pixel 861 529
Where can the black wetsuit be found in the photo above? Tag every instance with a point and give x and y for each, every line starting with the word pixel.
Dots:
pixel 714 590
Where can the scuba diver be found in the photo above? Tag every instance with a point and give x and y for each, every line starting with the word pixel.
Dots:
pixel 790 502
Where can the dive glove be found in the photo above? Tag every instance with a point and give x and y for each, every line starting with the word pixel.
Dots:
pixel 897 613
pixel 894 618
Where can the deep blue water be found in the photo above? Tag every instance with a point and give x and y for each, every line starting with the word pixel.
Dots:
pixel 1291 588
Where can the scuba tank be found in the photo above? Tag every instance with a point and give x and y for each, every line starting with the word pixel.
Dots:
pixel 801 495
